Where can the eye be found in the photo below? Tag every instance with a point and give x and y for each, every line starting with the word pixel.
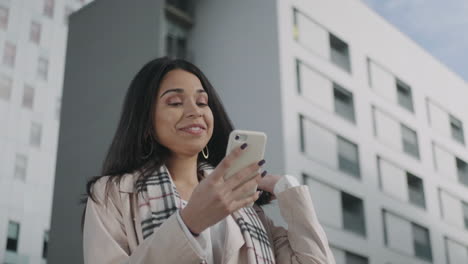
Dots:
pixel 175 101
pixel 202 104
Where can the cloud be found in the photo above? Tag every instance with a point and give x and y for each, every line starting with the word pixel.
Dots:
pixel 441 27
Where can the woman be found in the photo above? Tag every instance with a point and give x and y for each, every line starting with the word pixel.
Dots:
pixel 165 200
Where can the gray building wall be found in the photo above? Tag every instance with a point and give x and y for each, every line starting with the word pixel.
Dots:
pixel 109 40
pixel 236 44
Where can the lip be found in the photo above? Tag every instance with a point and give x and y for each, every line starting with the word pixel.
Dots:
pixel 193 125
pixel 187 129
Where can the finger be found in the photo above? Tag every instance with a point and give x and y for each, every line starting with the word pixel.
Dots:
pixel 248 187
pixel 246 201
pixel 227 162
pixel 243 175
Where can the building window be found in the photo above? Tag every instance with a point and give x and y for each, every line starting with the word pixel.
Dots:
pixel 182 5
pixel 28 96
pixel 405 97
pixel 410 141
pixel 43 68
pixel 45 244
pixel 13 236
pixel 4 13
pixel 457 129
pixel 21 164
pixel 49 8
pixel 176 40
pixel 348 157
pixel 36 134
pixel 339 53
pixel 353 214
pixel 421 242
pixel 415 190
pixel 5 87
pixel 344 104
pixel 465 213
pixel 352 258
pixel 462 169
pixel 302 133
pixel 9 54
pixel 35 32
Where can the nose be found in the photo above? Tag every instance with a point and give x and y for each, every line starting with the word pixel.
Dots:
pixel 193 110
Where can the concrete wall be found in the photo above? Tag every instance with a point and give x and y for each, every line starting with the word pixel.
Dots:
pixel 108 42
pixel 236 44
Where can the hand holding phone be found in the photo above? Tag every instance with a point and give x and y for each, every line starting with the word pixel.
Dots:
pixel 256 142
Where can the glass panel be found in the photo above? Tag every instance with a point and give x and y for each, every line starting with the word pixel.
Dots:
pixel 465 213
pixel 462 169
pixel 5 87
pixel 43 68
pixel 12 238
pixel 36 134
pixel 348 157
pixel 339 53
pixel 344 105
pixel 422 244
pixel 49 8
pixel 35 32
pixel 410 141
pixel 9 54
pixel 405 97
pixel 21 164
pixel 415 190
pixel 176 40
pixel 28 97
pixel 457 129
pixel 4 17
pixel 45 244
pixel 353 214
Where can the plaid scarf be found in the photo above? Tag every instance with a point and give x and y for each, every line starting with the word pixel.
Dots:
pixel 158 199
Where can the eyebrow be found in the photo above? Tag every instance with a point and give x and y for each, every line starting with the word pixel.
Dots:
pixel 179 90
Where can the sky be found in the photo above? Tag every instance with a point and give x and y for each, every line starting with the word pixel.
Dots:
pixel 439 26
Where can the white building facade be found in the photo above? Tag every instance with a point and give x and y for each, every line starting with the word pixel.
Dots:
pixel 32 53
pixel 375 126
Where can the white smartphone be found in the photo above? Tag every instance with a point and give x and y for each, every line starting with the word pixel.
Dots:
pixel 256 142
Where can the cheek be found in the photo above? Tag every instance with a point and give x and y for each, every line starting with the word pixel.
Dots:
pixel 165 121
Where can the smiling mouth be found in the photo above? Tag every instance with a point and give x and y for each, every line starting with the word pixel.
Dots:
pixel 194 130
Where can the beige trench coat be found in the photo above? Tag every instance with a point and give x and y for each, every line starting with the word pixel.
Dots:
pixel 112 232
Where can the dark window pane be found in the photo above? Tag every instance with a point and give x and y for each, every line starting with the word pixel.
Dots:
pixel 456 127
pixel 181 48
pixel 422 243
pixel 410 141
pixel 45 244
pixel 405 97
pixel 339 53
pixel 465 214
pixel 353 214
pixel 416 190
pixel 302 133
pixel 13 235
pixel 462 169
pixel 348 157
pixel 344 105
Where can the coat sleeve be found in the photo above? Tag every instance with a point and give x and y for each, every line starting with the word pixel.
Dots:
pixel 304 242
pixel 105 240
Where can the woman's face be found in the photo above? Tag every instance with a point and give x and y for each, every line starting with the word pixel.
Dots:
pixel 183 119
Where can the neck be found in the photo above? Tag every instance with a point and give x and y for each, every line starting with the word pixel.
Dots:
pixel 183 169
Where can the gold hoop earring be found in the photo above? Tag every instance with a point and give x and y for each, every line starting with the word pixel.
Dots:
pixel 207 152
